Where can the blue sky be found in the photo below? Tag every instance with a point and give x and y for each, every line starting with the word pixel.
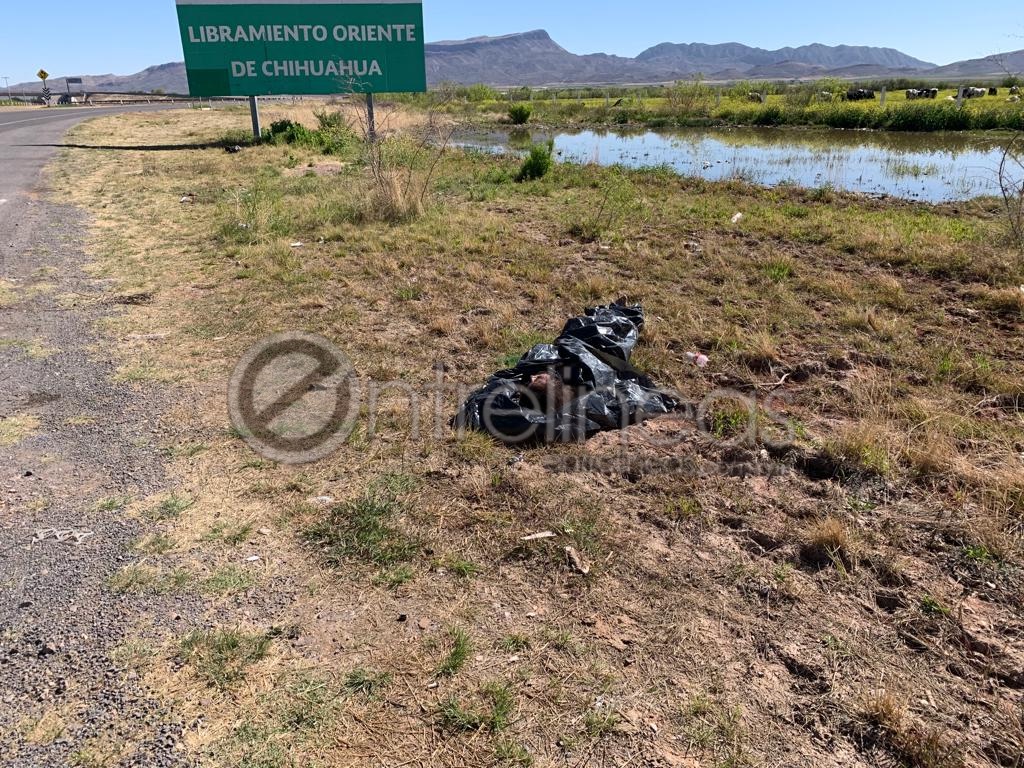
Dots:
pixel 124 36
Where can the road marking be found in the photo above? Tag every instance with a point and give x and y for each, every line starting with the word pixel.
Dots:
pixel 3 200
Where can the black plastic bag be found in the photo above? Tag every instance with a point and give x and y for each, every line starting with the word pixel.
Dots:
pixel 572 389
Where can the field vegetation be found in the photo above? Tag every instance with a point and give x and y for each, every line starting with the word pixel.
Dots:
pixel 852 598
pixel 689 104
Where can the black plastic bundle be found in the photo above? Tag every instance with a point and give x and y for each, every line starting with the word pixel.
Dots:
pixel 572 389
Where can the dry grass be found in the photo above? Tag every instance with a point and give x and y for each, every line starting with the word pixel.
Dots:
pixel 14 429
pixel 695 628
pixel 829 542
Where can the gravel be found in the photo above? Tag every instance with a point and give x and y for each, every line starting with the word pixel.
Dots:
pixel 59 624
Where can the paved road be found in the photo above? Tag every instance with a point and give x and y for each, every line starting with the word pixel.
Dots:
pixel 27 142
pixel 78 438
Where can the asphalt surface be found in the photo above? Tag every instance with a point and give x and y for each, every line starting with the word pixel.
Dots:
pixel 66 694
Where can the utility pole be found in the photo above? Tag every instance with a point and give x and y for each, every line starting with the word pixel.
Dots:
pixel 7 83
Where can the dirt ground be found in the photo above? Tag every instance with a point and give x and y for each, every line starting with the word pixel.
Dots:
pixel 852 598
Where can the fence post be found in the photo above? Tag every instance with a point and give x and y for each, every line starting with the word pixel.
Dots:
pixel 883 96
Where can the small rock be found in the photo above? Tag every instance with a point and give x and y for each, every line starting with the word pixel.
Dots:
pixel 47 649
pixel 576 561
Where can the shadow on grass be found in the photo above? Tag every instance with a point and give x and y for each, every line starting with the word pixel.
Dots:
pixel 220 144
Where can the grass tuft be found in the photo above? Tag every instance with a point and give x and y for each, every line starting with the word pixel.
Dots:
pixel 458 654
pixel 221 657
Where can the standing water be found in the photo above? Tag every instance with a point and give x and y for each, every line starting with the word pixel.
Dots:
pixel 928 167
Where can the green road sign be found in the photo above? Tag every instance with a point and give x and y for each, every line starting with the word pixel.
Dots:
pixel 268 47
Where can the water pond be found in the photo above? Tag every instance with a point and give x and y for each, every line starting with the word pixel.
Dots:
pixel 928 167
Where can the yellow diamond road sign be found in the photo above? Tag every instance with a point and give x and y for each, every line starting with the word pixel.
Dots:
pixel 42 74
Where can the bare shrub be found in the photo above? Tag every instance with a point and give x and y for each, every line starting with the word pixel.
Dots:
pixel 1011 185
pixel 402 165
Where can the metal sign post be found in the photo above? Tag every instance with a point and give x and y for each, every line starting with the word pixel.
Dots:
pixel 42 74
pixel 254 112
pixel 371 120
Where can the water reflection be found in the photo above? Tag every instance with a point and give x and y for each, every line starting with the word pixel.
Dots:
pixel 934 167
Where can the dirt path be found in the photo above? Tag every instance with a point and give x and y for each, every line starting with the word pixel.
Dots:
pixel 75 448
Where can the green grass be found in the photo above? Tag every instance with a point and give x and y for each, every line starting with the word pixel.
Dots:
pixel 600 724
pixel 932 607
pixel 156 544
pixel 230 534
pixel 221 657
pixel 228 581
pixel 366 682
pixel 144 579
pixel 170 508
pixel 363 530
pixel 514 643
pixel 310 703
pixel 457 655
pixel 112 504
pixel 461 567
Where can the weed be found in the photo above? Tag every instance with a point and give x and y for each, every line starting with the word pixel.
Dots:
pixel 220 657
pixel 861 447
pixel 538 162
pixel 912 744
pixel 493 716
pixel 310 704
pixel 461 567
pixel 144 579
pixel 395 577
pixel 365 682
pixel 619 201
pixel 600 723
pixel 930 606
pixel 519 114
pixel 684 508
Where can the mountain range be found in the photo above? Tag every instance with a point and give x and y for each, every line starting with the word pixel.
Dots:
pixel 533 58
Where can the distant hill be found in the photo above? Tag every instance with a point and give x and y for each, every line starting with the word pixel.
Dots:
pixel 167 77
pixel 691 58
pixel 998 65
pixel 533 58
pixel 529 58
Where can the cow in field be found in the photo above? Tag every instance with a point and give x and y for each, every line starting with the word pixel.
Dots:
pixel 859 94
pixel 974 93
pixel 993 91
pixel 756 97
pixel 1015 90
pixel 1014 99
pixel 922 93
